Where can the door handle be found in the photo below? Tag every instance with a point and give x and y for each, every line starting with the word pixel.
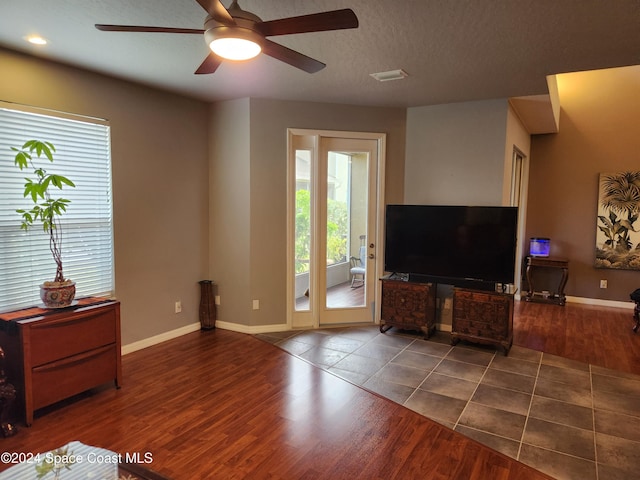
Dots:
pixel 371 245
pixel 372 256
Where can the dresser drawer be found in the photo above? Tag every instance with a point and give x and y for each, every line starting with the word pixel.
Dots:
pixel 481 316
pixel 59 380
pixel 77 333
pixel 404 305
pixel 481 307
pixel 498 329
pixel 407 305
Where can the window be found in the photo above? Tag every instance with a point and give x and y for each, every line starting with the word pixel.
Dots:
pixel 83 154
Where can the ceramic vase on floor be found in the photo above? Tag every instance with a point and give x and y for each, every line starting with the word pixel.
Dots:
pixel 207 305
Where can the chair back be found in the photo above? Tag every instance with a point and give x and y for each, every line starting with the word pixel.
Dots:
pixel 363 256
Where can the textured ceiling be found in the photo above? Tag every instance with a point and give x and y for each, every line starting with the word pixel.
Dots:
pixel 453 50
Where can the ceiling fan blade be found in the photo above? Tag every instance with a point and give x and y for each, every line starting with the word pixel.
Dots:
pixel 133 28
pixel 210 64
pixel 217 10
pixel 293 58
pixel 316 22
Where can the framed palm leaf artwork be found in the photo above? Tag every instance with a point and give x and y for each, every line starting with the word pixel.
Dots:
pixel 618 232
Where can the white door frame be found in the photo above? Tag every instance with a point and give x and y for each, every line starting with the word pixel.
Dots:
pixel 294 319
pixel 520 177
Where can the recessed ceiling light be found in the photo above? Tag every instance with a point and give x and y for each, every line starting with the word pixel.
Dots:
pixel 390 75
pixel 36 40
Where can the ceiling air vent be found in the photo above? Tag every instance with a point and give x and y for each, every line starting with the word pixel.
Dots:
pixel 390 75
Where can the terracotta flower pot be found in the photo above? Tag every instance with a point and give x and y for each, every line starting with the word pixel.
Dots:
pixel 57 294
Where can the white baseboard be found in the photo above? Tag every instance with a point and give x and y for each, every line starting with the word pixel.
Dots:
pixel 194 327
pixel 601 303
pixel 281 327
pixel 163 337
pixel 252 329
pixel 591 301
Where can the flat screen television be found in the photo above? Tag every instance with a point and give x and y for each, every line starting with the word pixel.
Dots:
pixel 456 245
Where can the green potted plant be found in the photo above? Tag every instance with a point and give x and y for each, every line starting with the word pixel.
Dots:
pixel 47 211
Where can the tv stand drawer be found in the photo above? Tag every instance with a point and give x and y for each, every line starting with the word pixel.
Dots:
pixel 408 305
pixel 482 317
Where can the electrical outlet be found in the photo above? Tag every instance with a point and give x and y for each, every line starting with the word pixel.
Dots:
pixel 447 303
pixel 256 304
pixel 217 299
pixel 603 284
pixel 178 306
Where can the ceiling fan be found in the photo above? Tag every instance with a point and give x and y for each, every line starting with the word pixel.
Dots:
pixel 236 34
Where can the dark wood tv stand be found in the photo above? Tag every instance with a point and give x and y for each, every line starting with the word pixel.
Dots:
pixel 408 305
pixel 482 317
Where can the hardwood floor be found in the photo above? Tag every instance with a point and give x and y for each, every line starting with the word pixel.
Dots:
pixel 338 296
pixel 226 405
pixel 600 336
pixel 591 334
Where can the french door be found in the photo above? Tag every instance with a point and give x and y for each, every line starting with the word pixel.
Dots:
pixel 334 215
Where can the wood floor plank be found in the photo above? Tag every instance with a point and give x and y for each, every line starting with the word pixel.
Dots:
pixel 597 335
pixel 226 405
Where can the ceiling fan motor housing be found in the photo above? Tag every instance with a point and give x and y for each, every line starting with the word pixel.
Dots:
pixel 244 28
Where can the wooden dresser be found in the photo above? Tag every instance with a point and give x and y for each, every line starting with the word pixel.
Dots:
pixel 482 317
pixel 59 354
pixel 408 305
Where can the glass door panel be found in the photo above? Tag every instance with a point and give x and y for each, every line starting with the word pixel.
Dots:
pixel 302 226
pixel 348 213
pixel 346 250
pixel 332 225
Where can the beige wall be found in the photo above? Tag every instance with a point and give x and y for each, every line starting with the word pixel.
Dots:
pixel 230 208
pixel 265 229
pixel 455 153
pixel 460 154
pixel 516 138
pixel 159 153
pixel 174 159
pixel 600 111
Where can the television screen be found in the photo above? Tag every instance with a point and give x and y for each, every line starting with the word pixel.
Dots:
pixel 452 242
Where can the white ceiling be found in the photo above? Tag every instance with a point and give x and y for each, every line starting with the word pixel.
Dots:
pixel 453 50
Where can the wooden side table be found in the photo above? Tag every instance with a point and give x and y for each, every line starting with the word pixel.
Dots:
pixel 560 264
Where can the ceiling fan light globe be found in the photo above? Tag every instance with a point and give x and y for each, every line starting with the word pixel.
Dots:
pixel 232 48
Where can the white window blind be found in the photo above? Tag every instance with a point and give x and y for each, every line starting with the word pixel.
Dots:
pixel 83 154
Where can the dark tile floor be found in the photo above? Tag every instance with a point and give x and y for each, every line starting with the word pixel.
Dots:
pixel 568 419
